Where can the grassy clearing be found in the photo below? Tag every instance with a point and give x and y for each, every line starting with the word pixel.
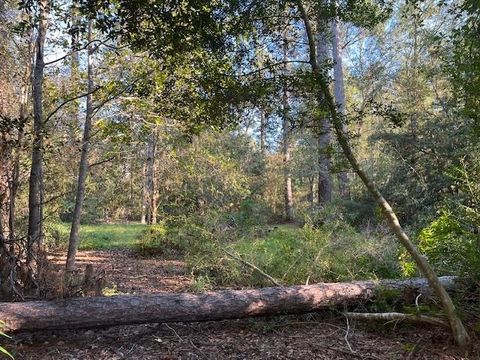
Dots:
pixel 99 236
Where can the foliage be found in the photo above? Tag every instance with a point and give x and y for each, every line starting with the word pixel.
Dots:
pixel 4 351
pixel 291 254
pixel 450 247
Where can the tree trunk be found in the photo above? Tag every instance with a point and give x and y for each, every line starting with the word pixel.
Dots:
pixel 35 221
pixel 262 131
pixel 311 197
pixel 459 333
pixel 339 91
pixel 287 176
pixel 324 127
pixel 216 305
pixel 151 180
pixel 143 216
pixel 23 114
pixel 83 165
pixel 75 69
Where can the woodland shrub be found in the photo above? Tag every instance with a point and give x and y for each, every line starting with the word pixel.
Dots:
pixel 294 255
pixel 452 248
pixel 354 213
pixel 447 245
pixel 452 240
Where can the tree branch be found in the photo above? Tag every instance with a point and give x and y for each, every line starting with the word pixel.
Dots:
pixel 69 101
pixel 394 316
pixel 252 266
pixel 101 162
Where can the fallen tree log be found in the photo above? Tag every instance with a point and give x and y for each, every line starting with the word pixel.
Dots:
pixel 89 312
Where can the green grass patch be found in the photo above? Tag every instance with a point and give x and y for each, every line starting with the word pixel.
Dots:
pixel 289 253
pixel 296 255
pixel 99 236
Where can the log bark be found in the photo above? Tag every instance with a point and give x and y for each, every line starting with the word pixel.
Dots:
pixel 216 305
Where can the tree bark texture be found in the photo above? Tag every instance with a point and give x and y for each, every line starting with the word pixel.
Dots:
pixel 324 127
pixel 74 239
pixel 216 305
pixel 36 172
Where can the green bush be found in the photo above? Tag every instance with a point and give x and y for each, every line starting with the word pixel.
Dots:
pixel 253 213
pixel 56 236
pixel 295 255
pixel 155 240
pixel 450 247
pixel 291 254
pixel 350 212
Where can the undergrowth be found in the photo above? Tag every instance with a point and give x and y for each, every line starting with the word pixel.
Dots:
pixel 289 253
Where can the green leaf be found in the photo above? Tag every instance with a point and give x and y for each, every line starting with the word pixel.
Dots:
pixel 5 352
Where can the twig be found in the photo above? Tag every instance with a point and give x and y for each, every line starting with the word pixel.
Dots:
pixel 198 349
pixel 346 336
pixel 173 330
pixel 68 101
pixel 189 340
pixel 112 95
pixel 394 316
pixel 250 265
pixel 101 162
pixel 416 301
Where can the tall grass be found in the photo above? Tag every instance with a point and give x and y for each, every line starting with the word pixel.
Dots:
pixel 96 237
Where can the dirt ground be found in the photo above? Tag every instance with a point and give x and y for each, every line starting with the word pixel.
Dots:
pixel 310 336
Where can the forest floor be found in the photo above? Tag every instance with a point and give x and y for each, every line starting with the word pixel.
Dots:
pixel 311 336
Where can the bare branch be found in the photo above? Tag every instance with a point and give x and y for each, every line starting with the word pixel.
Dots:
pixel 69 101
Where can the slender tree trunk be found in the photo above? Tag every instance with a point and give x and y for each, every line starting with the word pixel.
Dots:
pixel 311 196
pixel 143 216
pixel 75 68
pixel 287 176
pixel 151 183
pixel 325 182
pixel 83 165
pixel 458 330
pixel 23 113
pixel 35 221
pixel 414 96
pixel 339 91
pixel 262 130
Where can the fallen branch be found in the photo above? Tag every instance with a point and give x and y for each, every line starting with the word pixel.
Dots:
pixel 90 312
pixel 254 267
pixel 394 316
